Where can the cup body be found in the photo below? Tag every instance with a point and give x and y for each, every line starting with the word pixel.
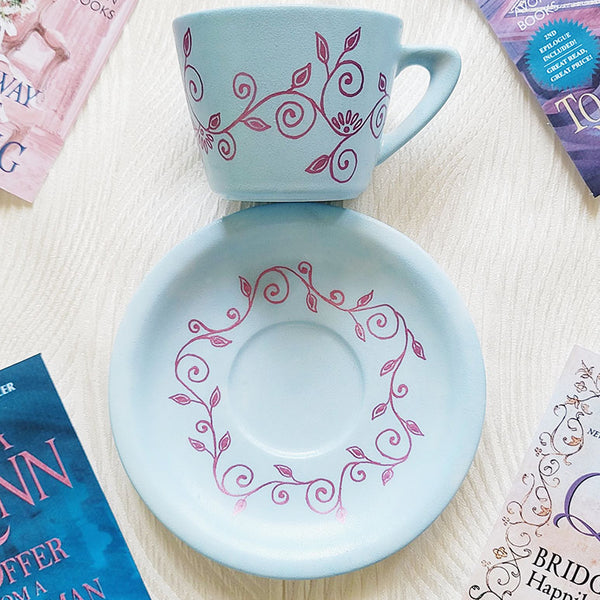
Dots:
pixel 289 102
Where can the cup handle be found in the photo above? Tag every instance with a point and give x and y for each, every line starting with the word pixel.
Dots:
pixel 443 65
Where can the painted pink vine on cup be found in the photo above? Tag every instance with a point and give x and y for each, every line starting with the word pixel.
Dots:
pixel 371 323
pixel 295 112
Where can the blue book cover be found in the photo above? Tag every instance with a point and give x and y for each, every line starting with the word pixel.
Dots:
pixel 58 537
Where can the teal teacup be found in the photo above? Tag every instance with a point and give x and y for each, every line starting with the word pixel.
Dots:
pixel 289 102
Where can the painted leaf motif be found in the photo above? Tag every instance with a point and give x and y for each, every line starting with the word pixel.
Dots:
pixel 181 399
pixel 256 124
pixel 214 121
pixel 365 299
pixel 574 441
pixel 301 77
pixel 318 165
pixel 245 287
pixel 311 302
pixel 219 342
pixel 386 476
pixel 378 410
pixel 197 445
pixel 413 428
pixel 388 367
pixel 240 505
pixel 322 48
pixel 284 471
pixel 215 397
pixel 225 442
pixel 544 511
pixel 418 349
pixel 352 40
pixel 360 332
pixel 356 452
pixel 382 82
pixel 187 43
pixel 401 391
pixel 340 515
pixel 586 409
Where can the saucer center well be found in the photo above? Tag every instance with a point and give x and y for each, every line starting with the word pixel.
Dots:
pixel 296 389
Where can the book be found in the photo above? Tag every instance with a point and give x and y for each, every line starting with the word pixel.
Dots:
pixel 58 537
pixel 51 52
pixel 546 542
pixel 555 45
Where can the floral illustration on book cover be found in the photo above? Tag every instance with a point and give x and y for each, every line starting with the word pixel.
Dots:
pixel 555 44
pixel 58 537
pixel 546 543
pixel 51 52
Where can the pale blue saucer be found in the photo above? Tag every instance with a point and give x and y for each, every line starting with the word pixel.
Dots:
pixel 297 390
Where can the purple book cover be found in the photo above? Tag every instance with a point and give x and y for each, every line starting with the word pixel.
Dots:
pixel 555 46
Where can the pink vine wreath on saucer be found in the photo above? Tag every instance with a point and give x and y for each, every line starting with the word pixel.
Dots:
pixel 322 495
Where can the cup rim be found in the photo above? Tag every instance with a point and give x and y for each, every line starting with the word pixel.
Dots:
pixel 283 8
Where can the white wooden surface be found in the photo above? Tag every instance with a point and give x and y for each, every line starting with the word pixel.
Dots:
pixel 486 189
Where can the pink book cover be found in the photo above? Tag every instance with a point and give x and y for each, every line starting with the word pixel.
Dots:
pixel 51 52
pixel 546 542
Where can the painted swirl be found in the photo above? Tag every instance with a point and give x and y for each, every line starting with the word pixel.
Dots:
pixel 279 494
pixel 295 117
pixel 378 116
pixel 343 164
pixel 384 324
pixel 227 146
pixel 237 479
pixel 320 495
pixel 391 444
pixel 194 83
pixel 244 87
pixel 191 369
pixel 350 78
pixel 277 290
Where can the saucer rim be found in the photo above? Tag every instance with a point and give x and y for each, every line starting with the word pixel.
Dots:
pixel 216 233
